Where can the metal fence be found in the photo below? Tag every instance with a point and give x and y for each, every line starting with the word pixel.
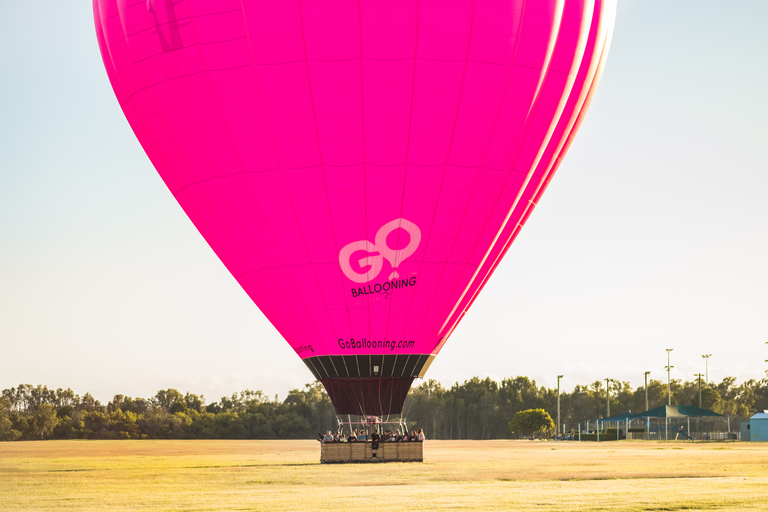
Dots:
pixel 720 428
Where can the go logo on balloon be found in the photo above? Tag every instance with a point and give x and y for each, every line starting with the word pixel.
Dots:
pixel 379 251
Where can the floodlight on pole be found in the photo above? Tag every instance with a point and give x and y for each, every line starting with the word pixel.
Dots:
pixel 558 403
pixel 646 390
pixel 669 382
pixel 706 368
pixel 608 398
pixel 647 420
pixel 699 376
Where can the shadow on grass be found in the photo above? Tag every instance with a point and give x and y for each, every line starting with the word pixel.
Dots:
pixel 291 464
pixel 633 477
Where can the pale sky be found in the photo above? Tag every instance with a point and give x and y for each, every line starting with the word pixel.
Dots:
pixel 653 234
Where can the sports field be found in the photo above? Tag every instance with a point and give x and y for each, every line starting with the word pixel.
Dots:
pixel 457 475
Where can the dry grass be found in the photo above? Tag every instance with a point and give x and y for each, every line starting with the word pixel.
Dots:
pixel 457 475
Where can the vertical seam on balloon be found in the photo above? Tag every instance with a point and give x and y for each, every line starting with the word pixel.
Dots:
pixel 477 180
pixel 256 200
pixel 595 78
pixel 293 207
pixel 447 156
pixel 365 166
pixel 533 109
pixel 407 149
pixel 325 181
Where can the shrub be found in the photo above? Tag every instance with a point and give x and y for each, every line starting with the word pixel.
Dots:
pixel 531 421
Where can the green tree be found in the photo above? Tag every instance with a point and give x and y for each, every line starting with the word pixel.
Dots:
pixel 194 402
pixel 70 427
pixel 7 432
pixel 45 420
pixel 531 421
pixel 710 399
pixel 585 403
pixel 89 403
pixel 167 398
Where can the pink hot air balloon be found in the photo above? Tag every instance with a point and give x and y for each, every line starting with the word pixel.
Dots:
pixel 361 167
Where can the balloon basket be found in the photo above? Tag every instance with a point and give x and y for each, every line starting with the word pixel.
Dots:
pixel 381 444
pixel 366 452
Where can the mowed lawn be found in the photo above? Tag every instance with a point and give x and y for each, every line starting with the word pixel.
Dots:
pixel 457 475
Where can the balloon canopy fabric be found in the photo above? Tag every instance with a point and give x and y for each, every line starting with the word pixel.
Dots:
pixel 360 167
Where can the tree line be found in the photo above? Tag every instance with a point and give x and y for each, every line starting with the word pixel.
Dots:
pixel 476 409
pixel 482 408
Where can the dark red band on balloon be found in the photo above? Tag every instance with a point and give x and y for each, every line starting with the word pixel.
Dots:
pixel 368 397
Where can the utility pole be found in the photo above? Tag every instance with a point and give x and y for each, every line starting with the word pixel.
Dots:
pixel 669 382
pixel 608 398
pixel 647 419
pixel 646 390
pixel 706 368
pixel 699 376
pixel 558 403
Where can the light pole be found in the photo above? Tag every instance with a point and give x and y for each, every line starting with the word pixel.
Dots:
pixel 706 368
pixel 646 390
pixel 669 387
pixel 558 402
pixel 608 398
pixel 699 376
pixel 647 419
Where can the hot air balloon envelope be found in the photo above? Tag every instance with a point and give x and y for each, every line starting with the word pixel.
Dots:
pixel 360 167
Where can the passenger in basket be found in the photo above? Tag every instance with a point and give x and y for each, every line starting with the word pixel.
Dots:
pixel 421 435
pixel 361 435
pixel 375 439
pixel 328 438
pixel 353 437
pixel 414 436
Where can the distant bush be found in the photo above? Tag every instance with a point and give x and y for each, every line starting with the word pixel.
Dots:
pixel 532 421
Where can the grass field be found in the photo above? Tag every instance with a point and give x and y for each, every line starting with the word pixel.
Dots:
pixel 456 475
